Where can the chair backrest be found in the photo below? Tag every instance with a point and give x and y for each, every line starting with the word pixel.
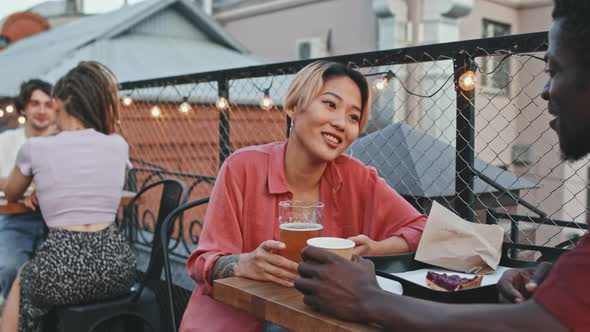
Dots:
pixel 165 232
pixel 510 249
pixel 173 191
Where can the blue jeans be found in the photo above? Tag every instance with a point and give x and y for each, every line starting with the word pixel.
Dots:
pixel 20 236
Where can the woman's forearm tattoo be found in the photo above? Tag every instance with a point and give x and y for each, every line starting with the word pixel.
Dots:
pixel 224 267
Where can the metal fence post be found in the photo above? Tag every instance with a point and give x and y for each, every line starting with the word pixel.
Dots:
pixel 465 142
pixel 224 127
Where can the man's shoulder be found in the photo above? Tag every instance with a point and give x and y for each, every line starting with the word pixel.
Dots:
pixel 13 134
pixel 12 139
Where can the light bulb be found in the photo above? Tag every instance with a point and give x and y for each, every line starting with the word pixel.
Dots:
pixel 185 107
pixel 9 109
pixel 222 104
pixel 156 112
pixel 1 113
pixel 381 84
pixel 468 81
pixel 22 120
pixel 127 101
pixel 267 103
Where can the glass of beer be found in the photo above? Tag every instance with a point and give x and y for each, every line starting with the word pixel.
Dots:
pixel 299 221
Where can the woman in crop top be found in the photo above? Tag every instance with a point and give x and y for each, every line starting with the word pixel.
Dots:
pixel 79 175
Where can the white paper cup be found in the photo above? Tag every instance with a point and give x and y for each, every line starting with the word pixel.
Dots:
pixel 342 247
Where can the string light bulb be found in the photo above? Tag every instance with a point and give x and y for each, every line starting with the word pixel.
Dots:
pixel 9 109
pixel 22 120
pixel 185 107
pixel 222 103
pixel 383 82
pixel 468 81
pixel 1 113
pixel 127 101
pixel 156 112
pixel 267 103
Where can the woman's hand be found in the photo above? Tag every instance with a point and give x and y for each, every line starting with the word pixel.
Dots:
pixel 31 202
pixel 263 264
pixel 364 245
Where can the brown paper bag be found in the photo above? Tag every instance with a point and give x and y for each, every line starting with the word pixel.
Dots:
pixel 455 244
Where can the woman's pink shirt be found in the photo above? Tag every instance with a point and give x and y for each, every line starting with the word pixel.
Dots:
pixel 243 212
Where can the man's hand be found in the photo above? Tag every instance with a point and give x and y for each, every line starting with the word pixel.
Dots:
pixel 518 285
pixel 334 285
pixel 264 264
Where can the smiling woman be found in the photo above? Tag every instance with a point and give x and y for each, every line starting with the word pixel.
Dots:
pixel 329 106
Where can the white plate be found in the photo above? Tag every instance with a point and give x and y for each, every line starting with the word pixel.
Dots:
pixel 419 276
pixel 389 285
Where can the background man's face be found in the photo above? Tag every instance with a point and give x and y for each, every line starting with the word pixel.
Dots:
pixel 568 94
pixel 39 111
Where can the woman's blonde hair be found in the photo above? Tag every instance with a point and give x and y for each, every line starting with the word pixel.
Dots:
pixel 310 80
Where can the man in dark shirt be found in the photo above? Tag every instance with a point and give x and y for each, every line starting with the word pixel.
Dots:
pixel 547 299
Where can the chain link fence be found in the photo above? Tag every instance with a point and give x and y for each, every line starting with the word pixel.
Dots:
pixel 486 153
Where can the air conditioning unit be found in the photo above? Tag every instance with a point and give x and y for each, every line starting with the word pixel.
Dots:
pixel 310 48
pixel 522 154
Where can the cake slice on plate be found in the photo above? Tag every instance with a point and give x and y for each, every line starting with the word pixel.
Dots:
pixel 451 282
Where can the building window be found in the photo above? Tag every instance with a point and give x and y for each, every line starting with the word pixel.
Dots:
pixel 385 32
pixel 310 48
pixel 500 79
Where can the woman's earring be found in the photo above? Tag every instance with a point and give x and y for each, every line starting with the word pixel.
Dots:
pixel 351 153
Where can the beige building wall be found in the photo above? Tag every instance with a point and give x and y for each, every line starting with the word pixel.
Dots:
pixel 347 26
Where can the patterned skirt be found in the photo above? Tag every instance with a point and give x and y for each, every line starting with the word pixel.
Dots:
pixel 74 268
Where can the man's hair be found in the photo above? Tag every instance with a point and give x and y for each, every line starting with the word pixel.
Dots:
pixel 89 92
pixel 309 82
pixel 575 16
pixel 26 91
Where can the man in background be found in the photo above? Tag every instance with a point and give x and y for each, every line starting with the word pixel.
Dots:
pixel 20 234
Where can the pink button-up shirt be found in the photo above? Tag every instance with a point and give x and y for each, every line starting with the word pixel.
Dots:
pixel 243 212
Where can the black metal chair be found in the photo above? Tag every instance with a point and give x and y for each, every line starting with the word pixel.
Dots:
pixel 165 232
pixel 140 306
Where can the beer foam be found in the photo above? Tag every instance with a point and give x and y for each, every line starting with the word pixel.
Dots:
pixel 301 226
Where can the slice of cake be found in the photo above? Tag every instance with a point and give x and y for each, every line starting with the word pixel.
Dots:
pixel 451 282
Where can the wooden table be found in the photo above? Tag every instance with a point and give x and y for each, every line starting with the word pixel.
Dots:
pixel 19 207
pixel 280 305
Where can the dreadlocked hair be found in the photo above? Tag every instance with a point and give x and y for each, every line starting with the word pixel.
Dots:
pixel 576 27
pixel 89 93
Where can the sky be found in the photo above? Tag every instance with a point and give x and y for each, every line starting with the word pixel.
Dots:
pixel 8 7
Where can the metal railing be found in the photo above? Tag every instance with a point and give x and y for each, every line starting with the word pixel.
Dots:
pixel 489 148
